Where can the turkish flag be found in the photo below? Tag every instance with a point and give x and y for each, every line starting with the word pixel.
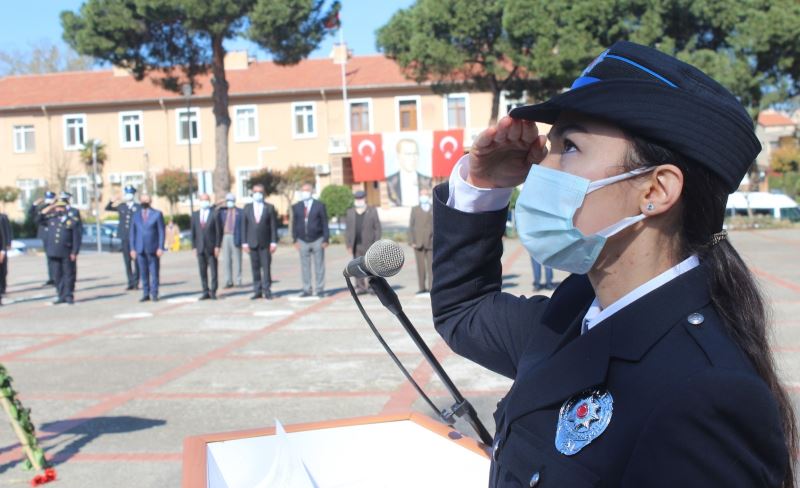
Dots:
pixel 448 147
pixel 367 157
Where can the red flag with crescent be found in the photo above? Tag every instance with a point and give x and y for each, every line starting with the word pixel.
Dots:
pixel 448 147
pixel 367 157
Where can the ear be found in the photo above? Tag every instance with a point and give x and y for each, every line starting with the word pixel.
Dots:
pixel 662 190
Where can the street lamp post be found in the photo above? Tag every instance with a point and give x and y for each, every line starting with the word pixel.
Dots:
pixel 187 92
pixel 95 143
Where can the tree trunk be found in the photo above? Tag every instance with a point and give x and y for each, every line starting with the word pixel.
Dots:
pixel 496 91
pixel 222 126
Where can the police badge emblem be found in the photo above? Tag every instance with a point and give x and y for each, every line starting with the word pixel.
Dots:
pixel 582 419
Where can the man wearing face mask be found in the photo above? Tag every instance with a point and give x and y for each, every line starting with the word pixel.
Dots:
pixel 126 209
pixel 62 244
pixel 147 246
pixel 260 241
pixel 420 238
pixel 310 236
pixel 33 215
pixel 363 230
pixel 206 241
pixel 230 224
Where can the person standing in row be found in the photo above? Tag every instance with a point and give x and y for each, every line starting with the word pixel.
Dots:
pixel 73 212
pixel 363 230
pixel 230 224
pixel 310 235
pixel 537 276
pixel 33 215
pixel 62 245
pixel 420 237
pixel 260 240
pixel 126 210
pixel 206 240
pixel 147 246
pixel 5 223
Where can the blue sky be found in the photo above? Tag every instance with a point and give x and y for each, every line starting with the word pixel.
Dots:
pixel 31 21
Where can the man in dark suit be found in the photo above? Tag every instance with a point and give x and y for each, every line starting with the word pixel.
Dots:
pixel 5 224
pixel 33 215
pixel 147 246
pixel 363 229
pixel 206 240
pixel 230 228
pixel 420 237
pixel 260 240
pixel 310 235
pixel 126 210
pixel 5 243
pixel 62 245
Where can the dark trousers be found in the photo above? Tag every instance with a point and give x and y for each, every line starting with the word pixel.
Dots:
pixel 131 265
pixel 424 268
pixel 148 269
pixel 260 263
pixel 207 260
pixel 4 275
pixel 360 250
pixel 64 275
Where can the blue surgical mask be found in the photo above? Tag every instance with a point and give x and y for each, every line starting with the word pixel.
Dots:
pixel 544 215
pixel 424 199
pixel 204 204
pixel 230 203
pixel 258 197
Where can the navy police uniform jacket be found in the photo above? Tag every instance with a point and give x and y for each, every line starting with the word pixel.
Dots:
pixel 126 214
pixel 63 235
pixel 687 409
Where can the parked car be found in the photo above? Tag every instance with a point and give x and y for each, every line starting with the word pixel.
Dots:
pixel 778 206
pixel 108 237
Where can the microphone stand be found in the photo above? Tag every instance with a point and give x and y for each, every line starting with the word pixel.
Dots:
pixel 461 407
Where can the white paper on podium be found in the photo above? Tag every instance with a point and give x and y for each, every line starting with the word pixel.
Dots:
pixel 388 454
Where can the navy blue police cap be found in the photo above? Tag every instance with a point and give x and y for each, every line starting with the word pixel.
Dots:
pixel 65 195
pixel 655 96
pixel 129 189
pixel 49 194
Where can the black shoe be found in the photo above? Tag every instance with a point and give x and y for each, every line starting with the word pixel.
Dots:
pixel 256 296
pixel 305 294
pixel 268 295
pixel 155 298
pixel 228 285
pixel 537 287
pixel 69 301
pixel 130 287
pixel 49 282
pixel 422 291
pixel 144 299
pixel 321 294
pixel 59 301
pixel 205 296
pixel 213 296
pixel 550 287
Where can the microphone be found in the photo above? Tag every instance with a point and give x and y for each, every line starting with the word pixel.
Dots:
pixel 383 259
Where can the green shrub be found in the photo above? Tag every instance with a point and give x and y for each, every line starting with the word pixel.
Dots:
pixel 184 221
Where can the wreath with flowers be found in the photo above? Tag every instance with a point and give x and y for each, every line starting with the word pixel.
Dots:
pixel 20 418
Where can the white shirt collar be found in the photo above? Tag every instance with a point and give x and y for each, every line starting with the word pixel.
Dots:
pixel 597 314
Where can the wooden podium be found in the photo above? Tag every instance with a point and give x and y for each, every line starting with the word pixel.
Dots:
pixel 386 451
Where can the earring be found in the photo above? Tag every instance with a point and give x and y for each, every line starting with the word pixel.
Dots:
pixel 650 207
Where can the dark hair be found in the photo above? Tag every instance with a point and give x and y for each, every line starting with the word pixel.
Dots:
pixel 734 293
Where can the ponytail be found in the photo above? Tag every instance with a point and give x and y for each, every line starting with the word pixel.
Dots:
pixel 734 292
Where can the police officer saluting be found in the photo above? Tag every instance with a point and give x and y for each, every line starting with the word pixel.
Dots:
pixel 650 365
pixel 33 214
pixel 62 244
pixel 126 209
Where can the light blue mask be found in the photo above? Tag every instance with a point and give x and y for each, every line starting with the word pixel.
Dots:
pixel 544 215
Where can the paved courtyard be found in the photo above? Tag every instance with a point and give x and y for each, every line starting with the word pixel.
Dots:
pixel 115 385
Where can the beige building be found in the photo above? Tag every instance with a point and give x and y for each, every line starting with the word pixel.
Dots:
pixel 281 116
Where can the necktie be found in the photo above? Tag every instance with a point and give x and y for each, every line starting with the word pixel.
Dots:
pixel 257 211
pixel 203 218
pixel 305 211
pixel 230 220
pixel 144 215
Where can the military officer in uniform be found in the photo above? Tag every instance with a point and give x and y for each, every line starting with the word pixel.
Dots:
pixel 62 245
pixel 73 212
pixel 126 209
pixel 5 242
pixel 33 214
pixel 650 366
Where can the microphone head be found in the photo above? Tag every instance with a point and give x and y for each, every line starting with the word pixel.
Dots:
pixel 384 258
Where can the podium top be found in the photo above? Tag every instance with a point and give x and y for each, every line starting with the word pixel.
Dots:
pixel 397 450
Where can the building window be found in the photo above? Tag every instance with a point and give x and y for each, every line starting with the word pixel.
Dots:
pixel 130 124
pixel 134 179
pixel 242 180
pixel 457 111
pixel 304 114
pixel 81 193
pixel 360 116
pixel 30 189
pixel 408 115
pixel 245 123
pixel 188 124
pixel 24 139
pixel 74 131
pixel 508 103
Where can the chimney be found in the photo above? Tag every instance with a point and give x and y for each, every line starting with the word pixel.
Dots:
pixel 236 60
pixel 119 71
pixel 340 54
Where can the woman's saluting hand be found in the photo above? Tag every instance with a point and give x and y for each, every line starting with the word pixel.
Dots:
pixel 502 155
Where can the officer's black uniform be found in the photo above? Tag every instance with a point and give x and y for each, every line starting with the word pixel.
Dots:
pixel 5 241
pixel 5 224
pixel 688 408
pixel 63 239
pixel 124 233
pixel 41 230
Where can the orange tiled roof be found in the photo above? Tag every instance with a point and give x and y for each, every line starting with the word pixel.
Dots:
pixel 773 119
pixel 102 87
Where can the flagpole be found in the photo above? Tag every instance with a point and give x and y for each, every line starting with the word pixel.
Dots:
pixel 343 68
